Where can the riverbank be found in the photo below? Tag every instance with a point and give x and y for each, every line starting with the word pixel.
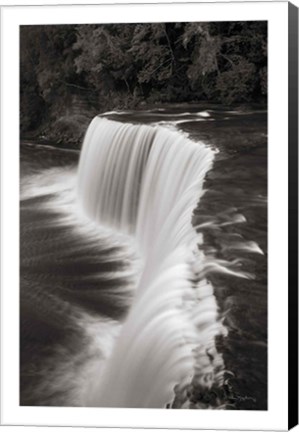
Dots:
pixel 69 129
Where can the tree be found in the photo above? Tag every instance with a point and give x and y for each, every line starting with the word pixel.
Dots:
pixel 112 66
pixel 226 58
pixel 32 105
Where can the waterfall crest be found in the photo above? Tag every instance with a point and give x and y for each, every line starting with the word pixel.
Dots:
pixel 146 181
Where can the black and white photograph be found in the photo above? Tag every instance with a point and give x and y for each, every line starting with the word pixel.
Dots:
pixel 143 215
pixel 149 215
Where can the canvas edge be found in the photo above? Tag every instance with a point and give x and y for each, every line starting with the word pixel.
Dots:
pixel 293 216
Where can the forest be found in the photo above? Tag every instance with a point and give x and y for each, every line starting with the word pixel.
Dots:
pixel 69 73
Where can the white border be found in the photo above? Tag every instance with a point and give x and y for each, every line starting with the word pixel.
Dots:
pixel 276 416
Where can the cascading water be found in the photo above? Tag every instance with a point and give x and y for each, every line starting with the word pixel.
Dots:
pixel 146 181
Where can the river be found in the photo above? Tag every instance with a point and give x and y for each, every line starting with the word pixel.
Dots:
pixel 78 281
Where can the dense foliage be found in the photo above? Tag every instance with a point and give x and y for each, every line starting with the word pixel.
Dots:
pixel 72 70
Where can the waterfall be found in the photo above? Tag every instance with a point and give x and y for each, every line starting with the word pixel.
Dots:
pixel 146 181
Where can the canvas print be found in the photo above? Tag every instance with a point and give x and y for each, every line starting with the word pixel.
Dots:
pixel 143 215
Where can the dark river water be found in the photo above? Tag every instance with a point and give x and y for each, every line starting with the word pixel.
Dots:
pixel 67 270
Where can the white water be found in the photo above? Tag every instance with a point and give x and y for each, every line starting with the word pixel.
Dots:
pixel 146 181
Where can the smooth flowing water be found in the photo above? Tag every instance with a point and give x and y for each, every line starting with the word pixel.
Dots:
pixel 146 181
pixel 118 259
